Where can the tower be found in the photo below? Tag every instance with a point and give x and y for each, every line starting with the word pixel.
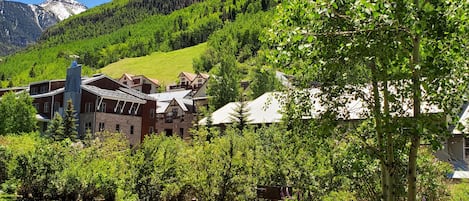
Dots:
pixel 73 90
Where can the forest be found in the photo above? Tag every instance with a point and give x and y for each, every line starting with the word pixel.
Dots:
pixel 399 60
pixel 124 29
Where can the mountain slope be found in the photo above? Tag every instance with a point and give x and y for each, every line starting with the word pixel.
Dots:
pixel 104 35
pixel 164 66
pixel 22 24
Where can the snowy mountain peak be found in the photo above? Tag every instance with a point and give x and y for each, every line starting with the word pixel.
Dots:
pixel 64 8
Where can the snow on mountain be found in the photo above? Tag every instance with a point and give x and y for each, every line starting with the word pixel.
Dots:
pixel 63 8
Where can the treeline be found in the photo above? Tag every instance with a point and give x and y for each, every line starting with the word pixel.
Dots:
pixel 98 45
pixel 215 165
pixel 109 18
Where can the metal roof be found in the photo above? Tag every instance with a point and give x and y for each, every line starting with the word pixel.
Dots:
pixel 112 95
pixel 168 96
pixel 136 93
pixel 267 108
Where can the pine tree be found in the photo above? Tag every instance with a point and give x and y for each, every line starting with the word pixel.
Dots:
pixel 55 130
pixel 240 115
pixel 70 122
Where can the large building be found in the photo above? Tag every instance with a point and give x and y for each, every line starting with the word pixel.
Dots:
pixel 101 103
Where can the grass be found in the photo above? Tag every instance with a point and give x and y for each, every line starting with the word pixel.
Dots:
pixel 163 66
pixel 459 190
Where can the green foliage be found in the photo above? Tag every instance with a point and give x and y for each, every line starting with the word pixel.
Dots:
pixel 158 168
pixel 224 84
pixel 55 129
pixel 263 80
pixel 244 32
pixel 378 53
pixel 108 33
pixel 70 122
pixel 241 113
pixel 69 171
pixel 17 114
pixel 459 190
pixel 169 64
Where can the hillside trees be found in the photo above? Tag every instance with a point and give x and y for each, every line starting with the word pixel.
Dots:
pixel 224 84
pixel 107 33
pixel 17 114
pixel 382 53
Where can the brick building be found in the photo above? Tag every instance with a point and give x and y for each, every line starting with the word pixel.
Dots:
pixel 102 102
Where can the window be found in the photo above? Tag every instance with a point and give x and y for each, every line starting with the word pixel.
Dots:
pixel 181 132
pixel 33 90
pixel 131 129
pixel 88 127
pixel 118 128
pixel 101 126
pixel 88 107
pixel 152 113
pixel 175 112
pixel 46 107
pixel 102 107
pixel 44 89
pixel 119 108
pixel 151 130
pixel 125 82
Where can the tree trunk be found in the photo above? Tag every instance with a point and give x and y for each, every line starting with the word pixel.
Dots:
pixel 415 135
pixel 386 189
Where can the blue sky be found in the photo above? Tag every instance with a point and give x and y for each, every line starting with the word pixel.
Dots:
pixel 88 3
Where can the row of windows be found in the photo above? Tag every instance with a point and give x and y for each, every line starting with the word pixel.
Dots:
pixel 43 89
pixel 46 106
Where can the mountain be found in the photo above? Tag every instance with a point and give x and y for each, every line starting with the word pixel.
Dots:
pixel 133 28
pixel 22 24
pixel 63 9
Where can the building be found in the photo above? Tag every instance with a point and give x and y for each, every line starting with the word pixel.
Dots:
pixel 102 104
pixel 267 110
pixel 190 81
pixel 175 113
pixel 140 83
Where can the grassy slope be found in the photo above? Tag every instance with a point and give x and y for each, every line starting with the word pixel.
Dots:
pixel 163 66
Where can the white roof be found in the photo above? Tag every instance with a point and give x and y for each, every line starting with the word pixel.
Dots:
pixel 222 115
pixel 267 108
pixel 168 96
pixel 161 107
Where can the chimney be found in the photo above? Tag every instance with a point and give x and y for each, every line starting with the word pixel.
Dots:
pixel 73 90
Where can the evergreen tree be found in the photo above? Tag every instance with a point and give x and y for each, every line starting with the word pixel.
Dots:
pixel 70 122
pixel 241 114
pixel 56 128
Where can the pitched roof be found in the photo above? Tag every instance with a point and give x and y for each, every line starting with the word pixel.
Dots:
pixel 136 93
pixel 190 76
pixel 203 75
pixel 168 96
pixel 112 95
pixel 267 108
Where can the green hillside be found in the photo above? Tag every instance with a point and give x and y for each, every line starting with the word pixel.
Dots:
pixel 124 29
pixel 163 66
